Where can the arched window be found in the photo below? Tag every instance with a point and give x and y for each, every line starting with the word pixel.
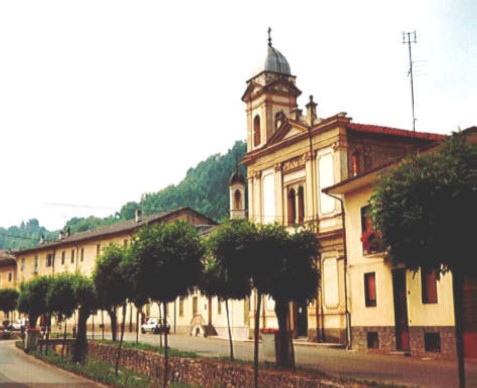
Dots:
pixel 301 205
pixel 237 200
pixel 256 131
pixel 291 207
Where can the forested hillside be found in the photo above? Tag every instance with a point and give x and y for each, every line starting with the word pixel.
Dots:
pixel 205 189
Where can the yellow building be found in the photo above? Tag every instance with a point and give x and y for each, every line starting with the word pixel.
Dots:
pixel 392 308
pixel 290 158
pixel 78 253
pixel 8 276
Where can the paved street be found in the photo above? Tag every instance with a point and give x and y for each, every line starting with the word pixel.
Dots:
pixel 20 370
pixel 385 368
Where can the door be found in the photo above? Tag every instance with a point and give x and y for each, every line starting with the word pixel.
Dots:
pixel 400 309
pixel 470 317
pixel 301 319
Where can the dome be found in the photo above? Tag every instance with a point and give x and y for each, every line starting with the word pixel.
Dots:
pixel 236 177
pixel 276 61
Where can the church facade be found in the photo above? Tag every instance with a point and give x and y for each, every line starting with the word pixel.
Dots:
pixel 291 157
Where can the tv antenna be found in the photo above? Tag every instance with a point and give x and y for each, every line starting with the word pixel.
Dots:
pixel 409 38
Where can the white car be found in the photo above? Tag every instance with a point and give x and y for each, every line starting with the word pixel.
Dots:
pixel 155 326
pixel 18 324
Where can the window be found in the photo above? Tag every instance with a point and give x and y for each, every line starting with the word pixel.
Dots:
pixel 125 242
pixel 429 286
pixel 63 255
pixel 22 266
pixel 181 307
pixel 10 276
pixel 98 249
pixel 49 260
pixel 432 342
pixel 195 304
pixel 72 256
pixel 370 238
pixel 372 339
pixel 219 306
pixel 355 164
pixel 370 289
pixel 301 205
pixel 291 207
pixel 237 200
pixel 82 254
pixel 35 268
pixel 256 131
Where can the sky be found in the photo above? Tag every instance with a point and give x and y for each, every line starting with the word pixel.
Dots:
pixel 102 101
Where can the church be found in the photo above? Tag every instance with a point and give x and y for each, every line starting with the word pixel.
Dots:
pixel 292 155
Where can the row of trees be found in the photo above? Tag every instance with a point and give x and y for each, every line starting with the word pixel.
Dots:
pixel 168 261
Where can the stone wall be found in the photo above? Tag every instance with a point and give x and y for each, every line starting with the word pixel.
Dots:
pixel 429 341
pixel 205 372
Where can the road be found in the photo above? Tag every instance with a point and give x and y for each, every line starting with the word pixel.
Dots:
pixel 18 369
pixel 395 369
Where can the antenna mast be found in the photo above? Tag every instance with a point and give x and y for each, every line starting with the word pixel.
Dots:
pixel 409 38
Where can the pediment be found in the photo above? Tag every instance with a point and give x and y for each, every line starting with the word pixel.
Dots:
pixel 287 130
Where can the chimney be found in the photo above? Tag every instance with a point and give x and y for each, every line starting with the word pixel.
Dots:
pixel 42 239
pixel 62 235
pixel 68 231
pixel 311 111
pixel 138 215
pixel 296 113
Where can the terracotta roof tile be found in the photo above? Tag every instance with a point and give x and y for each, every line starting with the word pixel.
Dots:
pixel 395 131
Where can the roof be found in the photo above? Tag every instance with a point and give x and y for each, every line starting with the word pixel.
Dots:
pixel 130 226
pixel 276 61
pixel 368 177
pixel 394 131
pixel 7 259
pixel 236 177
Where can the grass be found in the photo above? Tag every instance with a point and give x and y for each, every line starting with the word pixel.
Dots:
pixel 152 348
pixel 102 372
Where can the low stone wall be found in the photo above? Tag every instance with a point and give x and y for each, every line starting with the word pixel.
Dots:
pixel 204 372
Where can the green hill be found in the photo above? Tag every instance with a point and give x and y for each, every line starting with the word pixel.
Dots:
pixel 205 189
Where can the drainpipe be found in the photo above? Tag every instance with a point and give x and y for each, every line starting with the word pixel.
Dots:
pixel 345 258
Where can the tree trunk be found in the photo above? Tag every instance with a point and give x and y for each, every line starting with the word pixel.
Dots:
pixel 285 355
pixel 137 325
pixel 81 341
pixel 230 331
pixel 458 291
pixel 48 329
pixel 255 344
pixel 64 341
pixel 118 352
pixel 166 351
pixel 114 324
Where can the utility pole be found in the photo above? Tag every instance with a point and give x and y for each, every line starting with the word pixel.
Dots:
pixel 409 38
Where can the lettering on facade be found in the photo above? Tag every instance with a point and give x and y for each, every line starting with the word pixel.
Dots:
pixel 293 164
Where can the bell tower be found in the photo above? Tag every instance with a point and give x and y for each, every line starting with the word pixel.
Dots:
pixel 237 196
pixel 269 94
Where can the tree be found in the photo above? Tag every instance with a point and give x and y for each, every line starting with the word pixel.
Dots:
pixel 426 214
pixel 32 298
pixel 288 273
pixel 110 284
pixel 87 302
pixel 8 299
pixel 61 300
pixel 113 288
pixel 167 264
pixel 227 272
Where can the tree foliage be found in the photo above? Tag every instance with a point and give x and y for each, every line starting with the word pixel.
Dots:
pixel 425 208
pixel 8 299
pixel 167 260
pixel 112 287
pixel 60 297
pixel 32 298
